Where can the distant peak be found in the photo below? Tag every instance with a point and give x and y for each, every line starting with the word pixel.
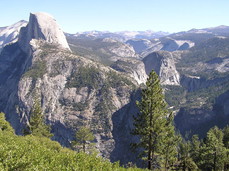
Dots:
pixel 222 26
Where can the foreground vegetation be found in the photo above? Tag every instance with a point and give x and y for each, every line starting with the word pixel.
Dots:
pixel 39 153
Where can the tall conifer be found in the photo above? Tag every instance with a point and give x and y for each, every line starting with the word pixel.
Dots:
pixel 37 125
pixel 152 124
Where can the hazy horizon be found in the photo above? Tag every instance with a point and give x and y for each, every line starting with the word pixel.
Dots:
pixel 129 15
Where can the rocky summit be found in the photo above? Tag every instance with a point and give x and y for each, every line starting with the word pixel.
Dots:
pixel 42 26
pixel 95 79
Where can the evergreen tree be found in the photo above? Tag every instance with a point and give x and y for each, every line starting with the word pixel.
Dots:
pixel 37 125
pixel 213 151
pixel 83 137
pixel 169 145
pixel 226 144
pixel 195 149
pixel 226 137
pixel 151 124
pixel 185 160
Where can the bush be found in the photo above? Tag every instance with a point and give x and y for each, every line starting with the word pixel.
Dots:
pixel 39 153
pixel 4 125
pixel 36 153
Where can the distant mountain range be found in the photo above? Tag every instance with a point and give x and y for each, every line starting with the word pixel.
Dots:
pixel 122 35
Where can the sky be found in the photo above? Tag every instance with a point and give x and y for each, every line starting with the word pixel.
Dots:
pixel 121 15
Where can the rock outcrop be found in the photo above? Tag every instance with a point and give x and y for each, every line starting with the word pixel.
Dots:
pixel 163 64
pixel 121 49
pixel 140 45
pixel 18 57
pixel 133 67
pixel 42 26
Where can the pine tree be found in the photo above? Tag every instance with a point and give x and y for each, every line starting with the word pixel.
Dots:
pixel 213 152
pixel 37 125
pixel 226 137
pixel 195 149
pixel 169 144
pixel 150 124
pixel 83 136
pixel 185 160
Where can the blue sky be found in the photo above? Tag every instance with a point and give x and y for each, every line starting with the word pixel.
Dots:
pixel 119 15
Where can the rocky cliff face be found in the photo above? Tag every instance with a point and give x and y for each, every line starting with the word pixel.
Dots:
pixel 133 67
pixel 13 63
pixel 74 90
pixel 163 64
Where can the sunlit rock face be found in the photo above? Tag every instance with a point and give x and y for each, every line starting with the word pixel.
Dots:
pixel 163 64
pixel 42 26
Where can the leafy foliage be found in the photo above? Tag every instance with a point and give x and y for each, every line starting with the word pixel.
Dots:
pixel 175 95
pixel 116 80
pixel 185 159
pixel 204 97
pixel 213 152
pixel 4 125
pixel 39 153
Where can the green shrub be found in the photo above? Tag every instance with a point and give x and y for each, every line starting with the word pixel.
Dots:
pixel 4 125
pixel 27 153
pixel 37 153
